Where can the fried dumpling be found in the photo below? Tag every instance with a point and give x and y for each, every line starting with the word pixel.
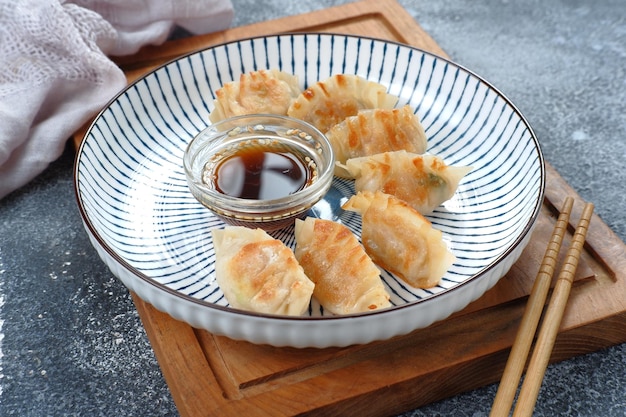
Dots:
pixel 264 91
pixel 259 273
pixel 329 102
pixel 400 239
pixel 346 279
pixel 423 181
pixel 376 131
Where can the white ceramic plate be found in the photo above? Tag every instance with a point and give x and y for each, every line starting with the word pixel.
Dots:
pixel 155 236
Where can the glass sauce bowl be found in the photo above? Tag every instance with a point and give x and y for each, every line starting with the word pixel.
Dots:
pixel 259 170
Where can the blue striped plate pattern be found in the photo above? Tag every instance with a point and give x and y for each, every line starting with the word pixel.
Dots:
pixel 155 236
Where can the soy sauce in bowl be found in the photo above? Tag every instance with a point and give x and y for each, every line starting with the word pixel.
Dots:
pixel 259 170
pixel 263 169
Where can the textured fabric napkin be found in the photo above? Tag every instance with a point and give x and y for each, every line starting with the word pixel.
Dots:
pixel 55 71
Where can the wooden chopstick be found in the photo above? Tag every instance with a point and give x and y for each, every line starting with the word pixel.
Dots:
pixel 552 321
pixel 528 326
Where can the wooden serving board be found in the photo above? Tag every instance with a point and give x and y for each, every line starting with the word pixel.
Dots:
pixel 211 375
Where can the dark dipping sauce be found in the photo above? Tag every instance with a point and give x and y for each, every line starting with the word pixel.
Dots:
pixel 263 172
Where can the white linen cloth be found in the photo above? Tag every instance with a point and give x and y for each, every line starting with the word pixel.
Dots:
pixel 55 71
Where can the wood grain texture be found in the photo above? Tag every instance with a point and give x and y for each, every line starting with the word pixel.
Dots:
pixel 211 375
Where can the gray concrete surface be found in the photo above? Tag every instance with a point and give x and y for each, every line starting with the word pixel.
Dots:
pixel 70 339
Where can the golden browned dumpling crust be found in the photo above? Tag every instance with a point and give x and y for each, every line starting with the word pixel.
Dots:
pixel 423 181
pixel 346 279
pixel 259 273
pixel 329 102
pixel 400 239
pixel 371 132
pixel 263 91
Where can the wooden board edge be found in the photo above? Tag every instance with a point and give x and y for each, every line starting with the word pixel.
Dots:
pixel 191 380
pixel 389 11
pixel 606 248
pixel 326 394
pixel 164 343
pixel 399 22
pixel 466 376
